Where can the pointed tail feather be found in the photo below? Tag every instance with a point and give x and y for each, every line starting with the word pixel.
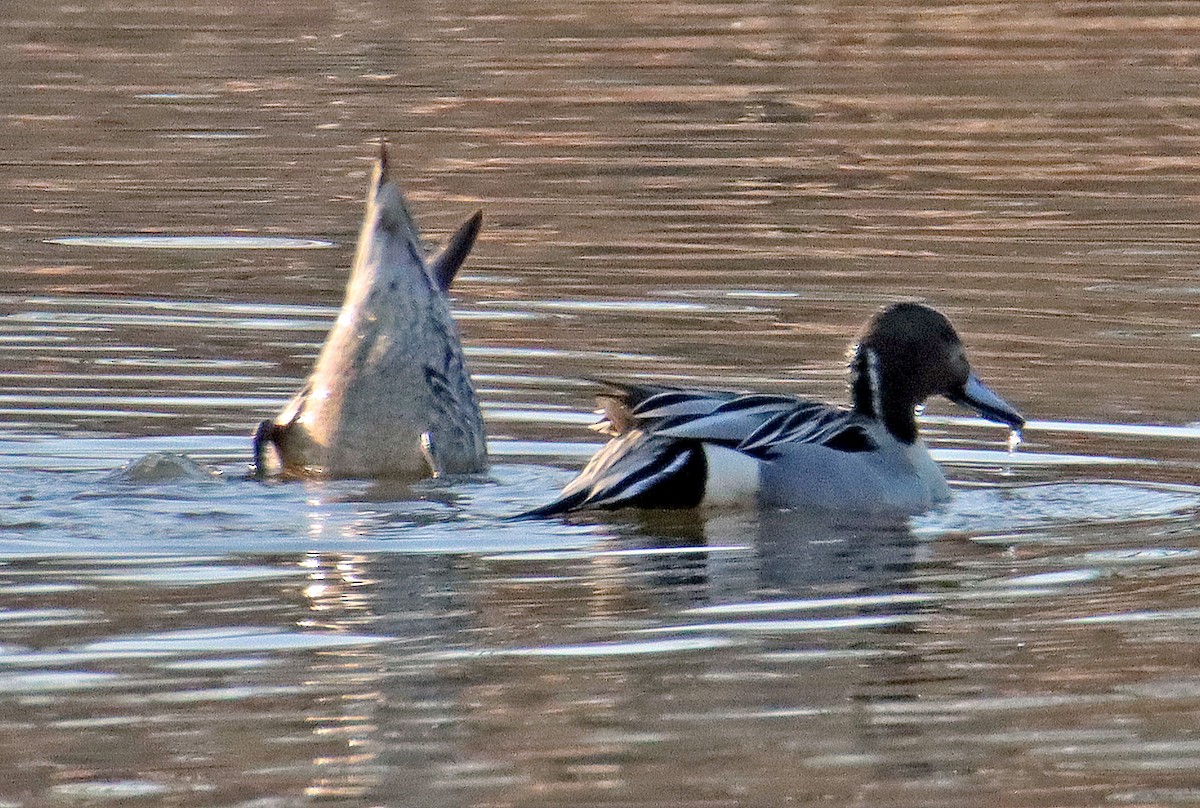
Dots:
pixel 446 265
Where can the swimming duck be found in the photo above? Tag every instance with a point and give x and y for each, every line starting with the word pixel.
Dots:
pixel 682 448
pixel 389 395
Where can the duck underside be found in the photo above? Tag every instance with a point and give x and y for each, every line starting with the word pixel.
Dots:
pixel 384 419
pixel 389 394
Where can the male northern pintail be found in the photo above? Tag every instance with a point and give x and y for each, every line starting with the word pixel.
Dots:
pixel 389 395
pixel 676 448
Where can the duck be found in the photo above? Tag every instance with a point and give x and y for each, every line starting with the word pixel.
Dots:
pixel 674 447
pixel 389 395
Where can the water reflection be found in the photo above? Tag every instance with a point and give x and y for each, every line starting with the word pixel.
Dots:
pixel 193 242
pixel 713 645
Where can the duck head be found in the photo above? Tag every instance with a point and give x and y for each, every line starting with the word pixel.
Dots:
pixel 908 352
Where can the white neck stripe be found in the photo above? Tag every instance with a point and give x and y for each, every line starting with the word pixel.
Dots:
pixel 875 383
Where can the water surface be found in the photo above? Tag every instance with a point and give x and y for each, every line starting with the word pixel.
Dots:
pixel 696 193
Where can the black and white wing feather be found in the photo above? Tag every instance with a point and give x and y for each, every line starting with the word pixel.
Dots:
pixel 754 424
pixel 635 469
pixel 657 457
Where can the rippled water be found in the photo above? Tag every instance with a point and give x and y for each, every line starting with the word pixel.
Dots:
pixel 709 193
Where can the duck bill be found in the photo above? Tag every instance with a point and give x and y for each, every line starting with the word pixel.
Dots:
pixel 979 397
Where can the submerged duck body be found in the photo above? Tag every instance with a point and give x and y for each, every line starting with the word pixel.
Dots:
pixel 389 394
pixel 678 448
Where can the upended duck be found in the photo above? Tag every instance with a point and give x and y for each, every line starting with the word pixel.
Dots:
pixel 682 448
pixel 389 395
